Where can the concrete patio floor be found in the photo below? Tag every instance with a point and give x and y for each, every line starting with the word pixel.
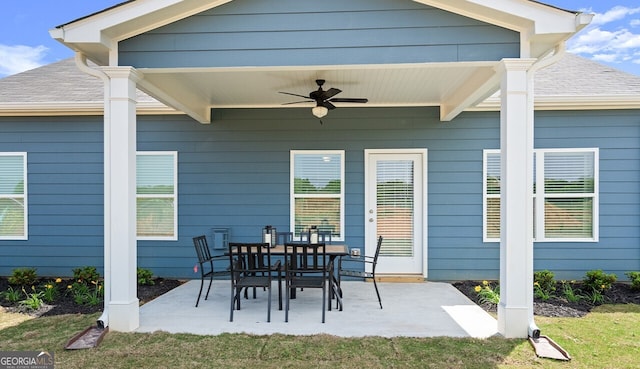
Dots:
pixel 429 309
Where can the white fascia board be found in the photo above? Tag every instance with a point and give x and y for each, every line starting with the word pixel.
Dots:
pixel 577 103
pixel 75 108
pixel 107 28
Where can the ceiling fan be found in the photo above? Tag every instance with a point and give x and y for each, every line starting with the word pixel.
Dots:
pixel 323 99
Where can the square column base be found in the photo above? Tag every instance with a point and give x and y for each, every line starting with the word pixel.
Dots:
pixel 513 322
pixel 123 316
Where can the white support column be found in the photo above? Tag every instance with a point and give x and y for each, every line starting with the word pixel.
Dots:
pixel 516 202
pixel 120 200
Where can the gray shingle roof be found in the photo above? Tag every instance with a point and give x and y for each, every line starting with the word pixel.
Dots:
pixel 60 82
pixel 576 76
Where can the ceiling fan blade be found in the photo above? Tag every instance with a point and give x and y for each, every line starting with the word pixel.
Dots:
pixel 329 93
pixel 298 102
pixel 327 105
pixel 349 100
pixel 289 93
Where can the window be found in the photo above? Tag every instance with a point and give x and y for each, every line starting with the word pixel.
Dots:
pixel 157 195
pixel 317 191
pixel 565 206
pixel 13 196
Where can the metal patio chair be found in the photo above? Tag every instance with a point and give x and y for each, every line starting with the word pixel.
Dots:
pixel 361 273
pixel 206 264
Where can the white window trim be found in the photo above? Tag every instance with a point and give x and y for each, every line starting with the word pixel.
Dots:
pixel 539 235
pixel 24 197
pixel 174 196
pixel 292 196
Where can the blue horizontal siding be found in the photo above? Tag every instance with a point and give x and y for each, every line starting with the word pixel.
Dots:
pixel 235 173
pixel 294 32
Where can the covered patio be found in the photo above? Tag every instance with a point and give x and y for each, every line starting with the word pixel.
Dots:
pixel 428 309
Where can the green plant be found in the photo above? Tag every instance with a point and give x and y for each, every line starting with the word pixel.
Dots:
pixel 33 300
pixel 145 277
pixel 23 277
pixel 569 293
pixel 11 295
pixel 86 274
pixel 544 284
pixel 596 297
pixel 599 281
pixel 50 291
pixel 635 279
pixel 487 293
pixel 86 294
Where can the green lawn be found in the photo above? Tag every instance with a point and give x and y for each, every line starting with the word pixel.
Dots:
pixel 609 337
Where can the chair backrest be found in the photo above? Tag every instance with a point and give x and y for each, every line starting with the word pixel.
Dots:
pixel 306 256
pixel 324 237
pixel 284 237
pixel 253 255
pixel 375 257
pixel 202 248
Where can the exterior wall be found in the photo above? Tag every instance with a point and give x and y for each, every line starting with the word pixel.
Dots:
pixel 305 32
pixel 235 173
pixel 65 193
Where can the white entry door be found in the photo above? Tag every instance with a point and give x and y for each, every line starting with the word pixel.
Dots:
pixel 395 192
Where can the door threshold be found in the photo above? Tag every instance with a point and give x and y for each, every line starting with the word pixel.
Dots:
pixel 400 278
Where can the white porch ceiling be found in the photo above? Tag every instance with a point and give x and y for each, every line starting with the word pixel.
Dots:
pixel 431 84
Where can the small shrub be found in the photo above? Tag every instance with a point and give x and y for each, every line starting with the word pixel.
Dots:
pixel 487 293
pixel 23 277
pixel 33 300
pixel 569 293
pixel 145 277
pixel 86 274
pixel 11 295
pixel 599 281
pixel 50 291
pixel 86 294
pixel 544 284
pixel 635 279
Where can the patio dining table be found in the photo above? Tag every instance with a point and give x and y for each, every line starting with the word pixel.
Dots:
pixel 333 251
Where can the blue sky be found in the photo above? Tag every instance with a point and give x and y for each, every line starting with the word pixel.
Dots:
pixel 613 38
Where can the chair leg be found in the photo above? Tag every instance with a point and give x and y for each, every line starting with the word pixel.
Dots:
pixel 209 288
pixel 324 300
pixel 279 290
pixel 200 293
pixel 375 285
pixel 233 301
pixel 269 306
pixel 286 307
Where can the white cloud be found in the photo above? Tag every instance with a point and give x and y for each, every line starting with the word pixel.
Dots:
pixel 608 38
pixel 614 14
pixel 18 58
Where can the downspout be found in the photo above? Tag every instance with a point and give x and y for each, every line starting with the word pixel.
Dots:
pixel 558 53
pixel 81 62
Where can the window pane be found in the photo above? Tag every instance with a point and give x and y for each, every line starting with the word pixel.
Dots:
pixel 12 175
pixel 569 218
pixel 154 174
pixel 395 206
pixel 322 212
pixel 493 217
pixel 12 217
pixel 155 217
pixel 317 173
pixel 569 172
pixel 156 194
pixel 493 173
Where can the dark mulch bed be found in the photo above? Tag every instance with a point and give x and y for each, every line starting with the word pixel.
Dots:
pixel 65 304
pixel 620 293
pixel 557 306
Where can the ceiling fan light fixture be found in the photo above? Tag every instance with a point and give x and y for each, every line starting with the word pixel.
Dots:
pixel 319 111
